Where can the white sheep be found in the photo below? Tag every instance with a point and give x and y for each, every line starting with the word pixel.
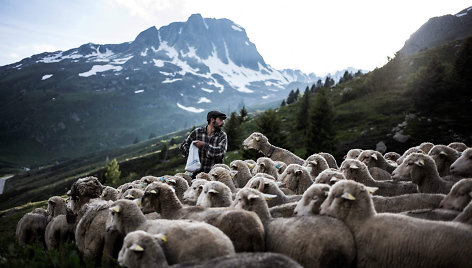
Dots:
pixel 354 169
pixel 270 187
pixel 353 154
pixel 109 193
pixel 311 241
pixel 203 176
pixel 425 147
pixel 379 168
pixel 179 184
pixel 311 200
pixel 193 192
pixel 459 196
pixel 142 249
pixel 266 165
pixel 392 240
pixel 443 156
pixel 185 240
pixel 60 226
pixel 421 170
pixel 244 228
pixel 315 164
pixel 259 142
pixel 31 227
pixel 243 172
pixel 223 175
pixel 330 160
pixel 215 194
pixel 463 165
pixel 329 176
pixel 296 178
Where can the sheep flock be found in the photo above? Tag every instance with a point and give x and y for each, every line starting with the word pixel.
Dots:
pixel 371 210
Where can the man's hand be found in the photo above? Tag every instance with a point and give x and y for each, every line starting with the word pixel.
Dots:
pixel 199 144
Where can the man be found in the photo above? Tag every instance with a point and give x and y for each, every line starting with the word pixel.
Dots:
pixel 210 140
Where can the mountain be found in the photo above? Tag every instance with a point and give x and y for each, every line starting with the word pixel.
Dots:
pixel 65 104
pixel 439 31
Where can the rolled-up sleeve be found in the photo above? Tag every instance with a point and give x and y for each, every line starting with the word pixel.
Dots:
pixel 217 151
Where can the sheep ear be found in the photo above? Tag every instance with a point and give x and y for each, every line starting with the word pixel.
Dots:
pixel 251 166
pixel 353 166
pixel 153 191
pixel 213 191
pixel 171 181
pixel 269 196
pixel 138 202
pixel 419 163
pixel 298 172
pixel 371 190
pixel 374 156
pixel 115 209
pixel 129 196
pixel 314 162
pixel 119 190
pixel 334 179
pixel 348 196
pixel 258 139
pixel 162 238
pixel 103 194
pixel 442 153
pixel 233 173
pixel 136 248
pixel 252 196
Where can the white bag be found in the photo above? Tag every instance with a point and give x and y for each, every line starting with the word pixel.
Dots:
pixel 193 160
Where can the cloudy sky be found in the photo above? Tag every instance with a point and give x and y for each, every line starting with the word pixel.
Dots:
pixel 310 35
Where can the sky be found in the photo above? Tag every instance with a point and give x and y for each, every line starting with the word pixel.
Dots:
pixel 309 35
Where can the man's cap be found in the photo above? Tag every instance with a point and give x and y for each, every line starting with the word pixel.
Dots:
pixel 215 114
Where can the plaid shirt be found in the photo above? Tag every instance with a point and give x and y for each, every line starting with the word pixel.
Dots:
pixel 213 151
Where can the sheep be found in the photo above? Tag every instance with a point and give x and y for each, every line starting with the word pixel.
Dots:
pixel 296 178
pixel 329 159
pixel 60 230
pixel 56 206
pixel 221 165
pixel 244 228
pixel 259 142
pixel 408 152
pixel 392 156
pixel 83 190
pixel 31 227
pixel 392 240
pixel 223 175
pixel 185 240
pixel 187 177
pixel 193 192
pixel 251 164
pixel 283 211
pixel 459 196
pixel 280 166
pixel 356 170
pixel 142 249
pixel 311 200
pixel 458 146
pixel 375 159
pixel 268 186
pixel 109 193
pixel 443 157
pixel 215 194
pixel 179 184
pixel 311 241
pixel 421 170
pixel 266 165
pixel 329 176
pixel 463 165
pixel 425 147
pixel 315 163
pixel 132 194
pixel 203 176
pixel 353 154
pixel 243 173
pixel 406 202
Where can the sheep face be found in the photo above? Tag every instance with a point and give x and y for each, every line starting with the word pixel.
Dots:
pixel 459 196
pixel 329 177
pixel 291 177
pixel 109 193
pixel 316 162
pixel 353 168
pixel 392 156
pixel 193 192
pixel 370 158
pixel 139 245
pixel 443 157
pixel 249 199
pixel 215 194
pixel 348 201
pixel 203 176
pixel 412 168
pixel 124 214
pixel 353 154
pixel 150 197
pixel 311 200
pixel 254 141
pixel 463 165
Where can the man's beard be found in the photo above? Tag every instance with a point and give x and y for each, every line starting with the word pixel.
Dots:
pixel 218 128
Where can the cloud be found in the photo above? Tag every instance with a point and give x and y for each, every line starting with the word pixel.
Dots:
pixel 152 10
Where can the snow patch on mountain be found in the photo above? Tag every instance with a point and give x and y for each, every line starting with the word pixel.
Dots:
pixel 190 109
pixel 100 68
pixel 168 80
pixel 204 100
pixel 47 76
pixel 236 28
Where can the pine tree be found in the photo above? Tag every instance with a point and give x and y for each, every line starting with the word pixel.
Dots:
pixel 320 133
pixel 233 132
pixel 319 83
pixel 329 82
pixel 269 125
pixel 283 103
pixel 164 152
pixel 292 97
pixel 243 114
pixel 112 173
pixel 303 110
pixel 136 140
